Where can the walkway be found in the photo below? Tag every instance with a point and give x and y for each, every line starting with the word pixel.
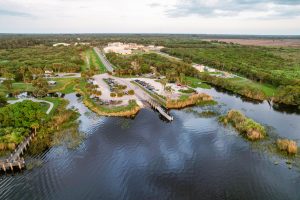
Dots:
pixel 51 105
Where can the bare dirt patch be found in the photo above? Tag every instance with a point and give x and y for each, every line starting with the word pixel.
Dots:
pixel 263 42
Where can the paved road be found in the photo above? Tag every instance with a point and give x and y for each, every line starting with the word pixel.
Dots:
pixel 107 64
pixel 34 100
pixel 66 75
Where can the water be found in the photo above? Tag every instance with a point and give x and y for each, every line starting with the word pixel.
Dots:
pixel 147 158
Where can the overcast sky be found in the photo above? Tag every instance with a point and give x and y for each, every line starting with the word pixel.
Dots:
pixel 151 16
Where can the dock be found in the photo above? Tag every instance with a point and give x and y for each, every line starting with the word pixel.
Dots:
pixel 15 161
pixel 157 107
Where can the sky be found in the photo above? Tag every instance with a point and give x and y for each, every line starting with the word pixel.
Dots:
pixel 264 17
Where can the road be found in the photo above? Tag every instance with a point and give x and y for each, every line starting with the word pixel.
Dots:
pixel 34 100
pixel 66 75
pixel 107 64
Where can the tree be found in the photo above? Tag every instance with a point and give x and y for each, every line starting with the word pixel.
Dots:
pixel 182 78
pixel 22 114
pixel 3 101
pixel 164 83
pixel 22 71
pixel 40 87
pixel 34 126
pixel 8 81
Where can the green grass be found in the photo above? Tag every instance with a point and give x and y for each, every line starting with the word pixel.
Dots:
pixel 183 97
pixel 64 85
pixel 196 83
pixel 17 87
pixel 98 62
pixel 94 61
pixel 55 101
pixel 85 55
pixel 266 88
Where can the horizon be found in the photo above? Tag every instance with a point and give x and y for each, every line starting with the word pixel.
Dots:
pixel 141 33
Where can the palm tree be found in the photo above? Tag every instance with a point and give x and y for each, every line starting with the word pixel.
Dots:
pixel 22 71
pixel 35 126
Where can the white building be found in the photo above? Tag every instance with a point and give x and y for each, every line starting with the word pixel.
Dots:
pixel 61 44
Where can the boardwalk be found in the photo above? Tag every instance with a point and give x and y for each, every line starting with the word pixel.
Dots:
pixel 15 160
pixel 157 107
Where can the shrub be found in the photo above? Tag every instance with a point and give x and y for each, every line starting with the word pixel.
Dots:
pixel 185 100
pixel 131 92
pixel 113 94
pixel 120 94
pixel 289 146
pixel 187 91
pixel 245 126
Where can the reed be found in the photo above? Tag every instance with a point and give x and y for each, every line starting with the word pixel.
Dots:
pixel 188 101
pixel 245 126
pixel 288 146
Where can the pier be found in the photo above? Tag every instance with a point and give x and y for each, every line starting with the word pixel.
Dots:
pixel 15 161
pixel 157 107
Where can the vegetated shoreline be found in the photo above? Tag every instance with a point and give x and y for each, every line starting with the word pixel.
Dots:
pixel 246 91
pixel 61 120
pixel 188 101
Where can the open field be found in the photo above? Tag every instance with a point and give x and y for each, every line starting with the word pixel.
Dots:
pixel 263 42
pixel 92 61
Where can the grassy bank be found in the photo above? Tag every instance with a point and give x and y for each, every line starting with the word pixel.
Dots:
pixel 241 86
pixel 188 100
pixel 64 85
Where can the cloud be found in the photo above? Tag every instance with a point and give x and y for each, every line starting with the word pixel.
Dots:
pixel 14 13
pixel 234 8
pixel 153 5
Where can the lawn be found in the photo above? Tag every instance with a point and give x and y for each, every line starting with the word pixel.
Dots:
pixel 17 87
pixel 92 61
pixel 64 85
pixel 195 83
pixel 55 101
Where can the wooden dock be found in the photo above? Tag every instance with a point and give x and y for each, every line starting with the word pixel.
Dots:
pixel 14 161
pixel 157 107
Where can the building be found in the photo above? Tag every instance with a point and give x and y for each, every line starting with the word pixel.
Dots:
pixel 61 44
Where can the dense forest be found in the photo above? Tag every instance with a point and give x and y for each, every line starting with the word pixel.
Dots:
pixel 276 66
pixel 62 59
pixel 150 63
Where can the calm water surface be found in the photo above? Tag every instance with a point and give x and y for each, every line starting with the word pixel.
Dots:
pixel 147 158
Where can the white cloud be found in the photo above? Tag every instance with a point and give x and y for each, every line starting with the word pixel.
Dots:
pixel 150 16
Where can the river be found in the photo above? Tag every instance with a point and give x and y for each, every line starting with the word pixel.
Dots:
pixel 146 158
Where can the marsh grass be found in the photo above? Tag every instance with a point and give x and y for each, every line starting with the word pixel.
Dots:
pixel 245 126
pixel 186 100
pixel 288 146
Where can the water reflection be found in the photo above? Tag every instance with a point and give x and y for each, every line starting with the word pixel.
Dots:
pixel 146 158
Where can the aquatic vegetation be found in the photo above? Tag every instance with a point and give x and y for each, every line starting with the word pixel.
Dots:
pixel 288 146
pixel 202 114
pixel 245 126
